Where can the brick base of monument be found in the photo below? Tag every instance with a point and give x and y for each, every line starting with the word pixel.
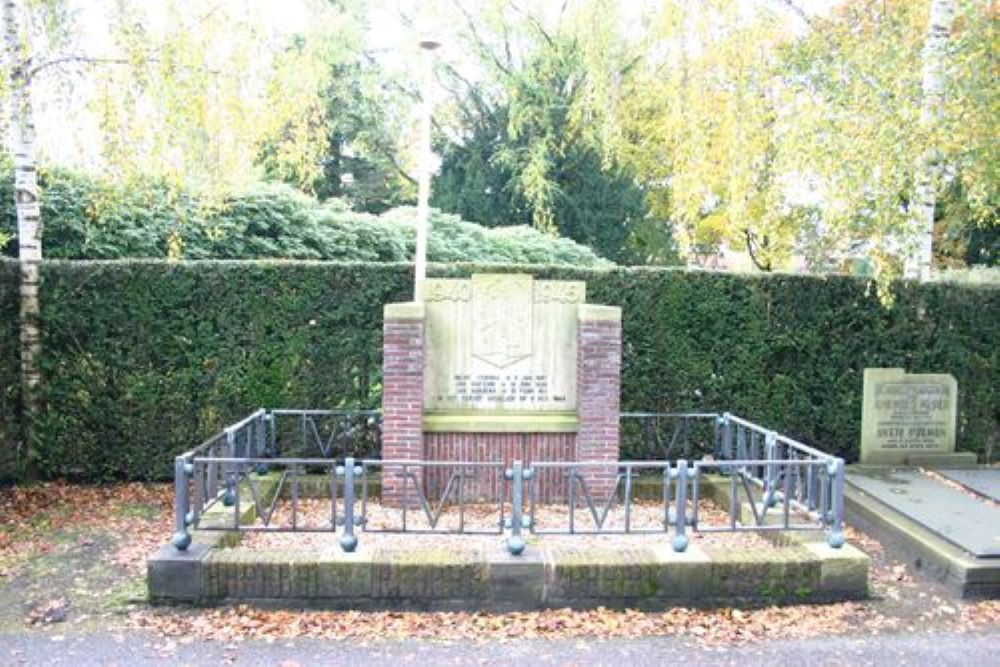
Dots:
pixel 487 484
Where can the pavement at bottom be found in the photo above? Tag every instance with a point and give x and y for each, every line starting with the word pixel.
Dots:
pixel 134 649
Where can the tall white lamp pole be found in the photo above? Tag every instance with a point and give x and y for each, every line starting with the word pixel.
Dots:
pixel 427 48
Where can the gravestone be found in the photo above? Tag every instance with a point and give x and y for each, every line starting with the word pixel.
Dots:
pixel 909 419
pixel 499 367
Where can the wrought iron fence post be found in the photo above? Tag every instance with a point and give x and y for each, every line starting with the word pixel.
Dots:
pixel 717 436
pixel 516 474
pixel 836 537
pixel 348 540
pixel 182 538
pixel 229 495
pixel 727 437
pixel 680 541
pixel 771 453
pixel 260 441
pixel 272 433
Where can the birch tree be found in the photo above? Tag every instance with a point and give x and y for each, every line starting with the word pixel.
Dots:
pixel 29 232
pixel 868 109
pixel 928 174
pixel 703 122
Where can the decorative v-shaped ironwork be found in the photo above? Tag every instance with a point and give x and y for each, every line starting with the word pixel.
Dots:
pixel 599 519
pixel 433 513
pixel 258 500
pixel 777 475
pixel 327 446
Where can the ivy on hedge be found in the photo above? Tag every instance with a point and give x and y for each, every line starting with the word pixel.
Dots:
pixel 142 359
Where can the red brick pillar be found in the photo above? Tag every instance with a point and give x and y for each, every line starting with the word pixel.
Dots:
pixel 402 397
pixel 598 380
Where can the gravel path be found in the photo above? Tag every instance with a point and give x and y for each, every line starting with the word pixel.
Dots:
pixel 643 515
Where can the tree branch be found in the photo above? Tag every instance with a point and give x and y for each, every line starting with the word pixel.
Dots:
pixel 388 155
pixel 480 42
pixel 86 60
pixel 753 255
pixel 536 23
pixel 814 26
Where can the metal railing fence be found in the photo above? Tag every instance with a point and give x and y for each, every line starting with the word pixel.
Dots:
pixel 654 436
pixel 237 480
pixel 326 433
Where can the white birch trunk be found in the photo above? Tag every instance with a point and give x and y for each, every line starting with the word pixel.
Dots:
pixel 22 129
pixel 928 172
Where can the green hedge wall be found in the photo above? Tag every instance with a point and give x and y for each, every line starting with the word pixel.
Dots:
pixel 10 395
pixel 144 358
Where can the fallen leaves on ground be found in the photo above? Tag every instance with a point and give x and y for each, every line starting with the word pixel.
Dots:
pixel 705 627
pixel 33 517
pixel 955 486
pixel 461 526
pixel 53 611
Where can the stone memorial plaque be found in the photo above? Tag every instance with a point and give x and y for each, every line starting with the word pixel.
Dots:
pixel 499 346
pixel 907 415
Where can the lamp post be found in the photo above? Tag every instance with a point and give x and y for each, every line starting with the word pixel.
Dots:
pixel 427 48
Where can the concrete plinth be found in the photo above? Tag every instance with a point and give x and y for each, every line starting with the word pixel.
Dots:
pixel 649 577
pixel 177 575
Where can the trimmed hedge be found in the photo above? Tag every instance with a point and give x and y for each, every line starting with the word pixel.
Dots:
pixel 144 358
pixel 10 360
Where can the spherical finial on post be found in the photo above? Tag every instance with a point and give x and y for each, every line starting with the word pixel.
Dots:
pixel 516 544
pixel 181 540
pixel 348 543
pixel 836 539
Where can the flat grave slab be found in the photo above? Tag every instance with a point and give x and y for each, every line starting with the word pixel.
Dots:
pixel 970 524
pixel 985 482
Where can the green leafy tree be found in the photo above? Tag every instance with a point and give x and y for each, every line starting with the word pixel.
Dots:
pixel 701 127
pixel 209 97
pixel 896 126
pixel 340 137
pixel 827 142
pixel 532 145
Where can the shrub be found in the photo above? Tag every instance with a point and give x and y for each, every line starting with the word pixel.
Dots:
pixel 87 218
pixel 142 359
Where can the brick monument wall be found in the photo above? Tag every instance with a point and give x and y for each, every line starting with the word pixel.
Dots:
pixel 598 377
pixel 402 394
pixel 593 437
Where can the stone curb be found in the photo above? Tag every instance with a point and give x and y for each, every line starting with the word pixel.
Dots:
pixel 934 557
pixel 644 577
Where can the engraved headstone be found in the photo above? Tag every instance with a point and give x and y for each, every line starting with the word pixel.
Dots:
pixel 907 418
